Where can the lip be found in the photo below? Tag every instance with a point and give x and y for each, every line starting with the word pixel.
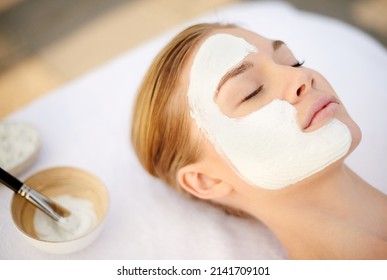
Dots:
pixel 320 107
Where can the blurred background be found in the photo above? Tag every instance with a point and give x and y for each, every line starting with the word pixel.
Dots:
pixel 45 44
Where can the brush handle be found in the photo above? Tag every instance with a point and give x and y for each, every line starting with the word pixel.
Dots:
pixel 10 181
pixel 45 204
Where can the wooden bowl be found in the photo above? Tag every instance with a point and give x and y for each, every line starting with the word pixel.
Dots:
pixel 61 181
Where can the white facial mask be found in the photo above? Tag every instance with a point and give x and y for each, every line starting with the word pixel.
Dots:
pixel 267 147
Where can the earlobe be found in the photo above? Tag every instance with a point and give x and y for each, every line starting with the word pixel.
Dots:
pixel 201 184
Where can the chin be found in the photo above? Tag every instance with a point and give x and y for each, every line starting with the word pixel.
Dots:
pixel 355 140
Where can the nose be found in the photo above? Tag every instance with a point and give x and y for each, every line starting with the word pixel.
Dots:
pixel 299 82
pixel 301 90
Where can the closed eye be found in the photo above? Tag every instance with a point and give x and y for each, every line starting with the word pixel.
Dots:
pixel 254 93
pixel 298 64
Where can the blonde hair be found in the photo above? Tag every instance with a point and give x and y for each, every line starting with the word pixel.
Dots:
pixel 161 126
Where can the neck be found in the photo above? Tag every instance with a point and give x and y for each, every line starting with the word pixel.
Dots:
pixel 314 218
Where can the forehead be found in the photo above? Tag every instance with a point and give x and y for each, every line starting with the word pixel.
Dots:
pixel 261 43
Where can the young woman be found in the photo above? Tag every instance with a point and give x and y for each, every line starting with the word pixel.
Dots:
pixel 231 117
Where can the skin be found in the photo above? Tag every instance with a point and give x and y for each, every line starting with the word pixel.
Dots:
pixel 333 214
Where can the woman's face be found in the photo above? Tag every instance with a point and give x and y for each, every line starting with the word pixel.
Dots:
pixel 273 72
pixel 273 120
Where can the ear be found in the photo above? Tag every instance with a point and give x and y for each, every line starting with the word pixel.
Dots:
pixel 202 185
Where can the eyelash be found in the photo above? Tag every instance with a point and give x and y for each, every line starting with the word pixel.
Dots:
pixel 254 93
pixel 298 64
pixel 258 90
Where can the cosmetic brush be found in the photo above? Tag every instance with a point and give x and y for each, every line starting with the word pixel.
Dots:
pixel 48 206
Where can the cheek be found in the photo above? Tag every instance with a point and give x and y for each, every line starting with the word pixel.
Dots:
pixel 353 127
pixel 216 163
pixel 321 84
pixel 343 114
pixel 267 149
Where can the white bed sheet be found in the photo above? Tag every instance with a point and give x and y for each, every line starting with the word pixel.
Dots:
pixel 86 124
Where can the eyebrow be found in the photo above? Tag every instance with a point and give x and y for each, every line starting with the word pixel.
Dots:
pixel 277 44
pixel 235 72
